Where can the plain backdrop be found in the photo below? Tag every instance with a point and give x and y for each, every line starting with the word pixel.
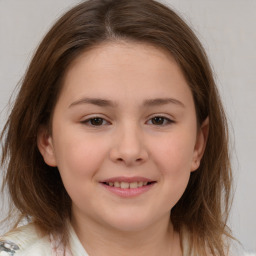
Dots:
pixel 227 30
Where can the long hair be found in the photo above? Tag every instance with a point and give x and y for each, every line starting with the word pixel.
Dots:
pixel 37 190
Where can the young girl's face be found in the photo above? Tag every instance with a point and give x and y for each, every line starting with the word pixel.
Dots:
pixel 124 136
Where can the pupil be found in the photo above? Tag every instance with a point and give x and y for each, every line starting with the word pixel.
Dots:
pixel 158 120
pixel 97 121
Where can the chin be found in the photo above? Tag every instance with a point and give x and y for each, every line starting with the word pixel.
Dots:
pixel 129 226
pixel 130 222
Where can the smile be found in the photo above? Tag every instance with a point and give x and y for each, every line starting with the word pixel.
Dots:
pixel 128 187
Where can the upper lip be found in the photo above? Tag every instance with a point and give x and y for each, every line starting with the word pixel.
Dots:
pixel 127 179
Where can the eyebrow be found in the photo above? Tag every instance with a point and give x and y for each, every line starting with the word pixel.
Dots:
pixel 108 103
pixel 162 101
pixel 94 101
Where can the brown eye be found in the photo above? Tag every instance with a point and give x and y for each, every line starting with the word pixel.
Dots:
pixel 160 120
pixel 95 121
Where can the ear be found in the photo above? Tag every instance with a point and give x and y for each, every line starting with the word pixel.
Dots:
pixel 200 145
pixel 45 146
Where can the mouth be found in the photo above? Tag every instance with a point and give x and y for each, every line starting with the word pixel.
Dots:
pixel 129 185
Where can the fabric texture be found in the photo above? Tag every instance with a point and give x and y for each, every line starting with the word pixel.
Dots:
pixel 26 241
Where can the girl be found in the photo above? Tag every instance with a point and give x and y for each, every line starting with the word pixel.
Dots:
pixel 117 141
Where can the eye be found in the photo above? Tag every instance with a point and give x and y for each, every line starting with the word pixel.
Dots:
pixel 160 120
pixel 95 121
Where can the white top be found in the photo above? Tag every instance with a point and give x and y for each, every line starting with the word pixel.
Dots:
pixel 27 242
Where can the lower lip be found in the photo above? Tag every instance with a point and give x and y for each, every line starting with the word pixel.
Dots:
pixel 128 192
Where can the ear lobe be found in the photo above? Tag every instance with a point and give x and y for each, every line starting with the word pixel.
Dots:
pixel 45 146
pixel 201 140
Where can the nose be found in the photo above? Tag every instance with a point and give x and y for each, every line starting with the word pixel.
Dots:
pixel 129 147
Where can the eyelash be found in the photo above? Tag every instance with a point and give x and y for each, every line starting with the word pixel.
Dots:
pixel 90 120
pixel 166 121
pixel 102 122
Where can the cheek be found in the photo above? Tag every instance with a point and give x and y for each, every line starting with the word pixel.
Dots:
pixel 174 155
pixel 173 159
pixel 78 161
pixel 176 174
pixel 175 188
pixel 79 157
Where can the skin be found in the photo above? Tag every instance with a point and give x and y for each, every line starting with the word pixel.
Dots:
pixel 127 142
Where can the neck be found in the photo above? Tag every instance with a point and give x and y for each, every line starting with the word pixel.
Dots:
pixel 157 239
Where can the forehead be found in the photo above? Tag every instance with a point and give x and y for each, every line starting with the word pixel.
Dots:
pixel 127 49
pixel 127 56
pixel 133 68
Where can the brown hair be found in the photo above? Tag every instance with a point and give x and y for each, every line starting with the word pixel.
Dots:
pixel 37 190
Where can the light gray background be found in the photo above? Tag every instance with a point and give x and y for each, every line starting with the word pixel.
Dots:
pixel 227 29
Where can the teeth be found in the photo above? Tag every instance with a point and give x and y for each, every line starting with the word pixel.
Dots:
pixel 133 185
pixel 140 184
pixel 117 184
pixel 126 185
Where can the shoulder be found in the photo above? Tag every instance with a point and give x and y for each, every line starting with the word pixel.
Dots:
pixel 24 241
